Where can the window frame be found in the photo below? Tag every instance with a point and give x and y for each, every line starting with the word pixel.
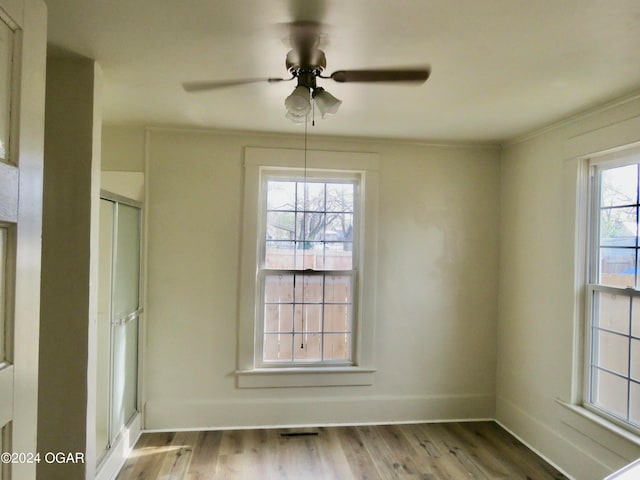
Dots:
pixel 595 163
pixel 250 373
pixel 298 176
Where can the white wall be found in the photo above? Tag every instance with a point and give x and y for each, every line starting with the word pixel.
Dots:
pixel 538 332
pixel 437 290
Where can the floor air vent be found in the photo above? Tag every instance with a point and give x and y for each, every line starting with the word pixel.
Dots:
pixel 299 434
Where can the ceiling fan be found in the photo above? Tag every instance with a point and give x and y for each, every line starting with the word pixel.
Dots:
pixel 306 62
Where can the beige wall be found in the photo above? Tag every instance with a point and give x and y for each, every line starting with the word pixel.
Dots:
pixel 122 148
pixel 123 161
pixel 66 390
pixel 539 343
pixel 436 295
pixel 443 211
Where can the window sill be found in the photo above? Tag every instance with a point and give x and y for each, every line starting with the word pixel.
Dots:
pixel 606 433
pixel 304 377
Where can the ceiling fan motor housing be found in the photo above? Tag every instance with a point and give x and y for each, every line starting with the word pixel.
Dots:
pixel 306 65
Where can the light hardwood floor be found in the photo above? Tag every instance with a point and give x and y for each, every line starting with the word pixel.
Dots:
pixel 474 450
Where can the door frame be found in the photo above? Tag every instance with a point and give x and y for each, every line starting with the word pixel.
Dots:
pixel 23 177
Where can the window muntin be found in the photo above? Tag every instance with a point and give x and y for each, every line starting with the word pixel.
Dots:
pixel 307 271
pixel 613 349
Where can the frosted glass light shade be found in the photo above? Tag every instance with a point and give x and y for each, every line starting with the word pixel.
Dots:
pixel 298 103
pixel 326 103
pixel 296 118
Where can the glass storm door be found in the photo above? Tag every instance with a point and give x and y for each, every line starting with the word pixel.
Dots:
pixel 118 319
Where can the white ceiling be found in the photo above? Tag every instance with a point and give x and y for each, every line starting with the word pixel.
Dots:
pixel 500 68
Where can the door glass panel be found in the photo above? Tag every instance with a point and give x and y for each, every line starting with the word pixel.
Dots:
pixel 103 376
pixel 127 261
pixel 125 375
pixel 6 57
pixel 125 324
pixel 3 274
pixel 130 393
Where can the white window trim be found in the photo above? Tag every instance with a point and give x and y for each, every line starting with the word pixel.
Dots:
pixel 362 370
pixel 577 151
pixel 613 158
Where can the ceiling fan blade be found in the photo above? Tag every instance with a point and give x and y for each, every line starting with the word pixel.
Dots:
pixel 415 75
pixel 212 85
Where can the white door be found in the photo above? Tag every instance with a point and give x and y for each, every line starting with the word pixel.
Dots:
pixel 22 64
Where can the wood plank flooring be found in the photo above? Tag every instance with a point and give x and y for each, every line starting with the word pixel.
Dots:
pixel 435 451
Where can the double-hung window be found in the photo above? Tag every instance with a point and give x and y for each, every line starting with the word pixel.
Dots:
pixel 308 268
pixel 612 370
pixel 307 308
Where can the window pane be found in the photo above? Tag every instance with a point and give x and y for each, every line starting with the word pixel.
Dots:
pixel 610 392
pixel 281 195
pixel 308 318
pixel 634 406
pixel 619 186
pixel 613 312
pixel 316 309
pixel 278 347
pixel 279 255
pixel 278 317
pixel 281 226
pixel 336 346
pixel 635 359
pixel 320 228
pixel 307 347
pixel 617 267
pixel 338 256
pixel 310 197
pixel 308 255
pixel 340 197
pixel 310 227
pixel 618 226
pixel 611 351
pixel 337 318
pixel 278 288
pixel 337 289
pixel 308 288
pixel 339 227
pixel 635 317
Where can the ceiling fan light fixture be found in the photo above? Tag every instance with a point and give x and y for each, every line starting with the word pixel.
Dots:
pixel 299 102
pixel 326 103
pixel 296 118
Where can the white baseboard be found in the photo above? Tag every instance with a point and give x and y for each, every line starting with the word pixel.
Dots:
pixel 314 425
pixel 116 456
pixel 535 450
pixel 279 412
pixel 572 450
